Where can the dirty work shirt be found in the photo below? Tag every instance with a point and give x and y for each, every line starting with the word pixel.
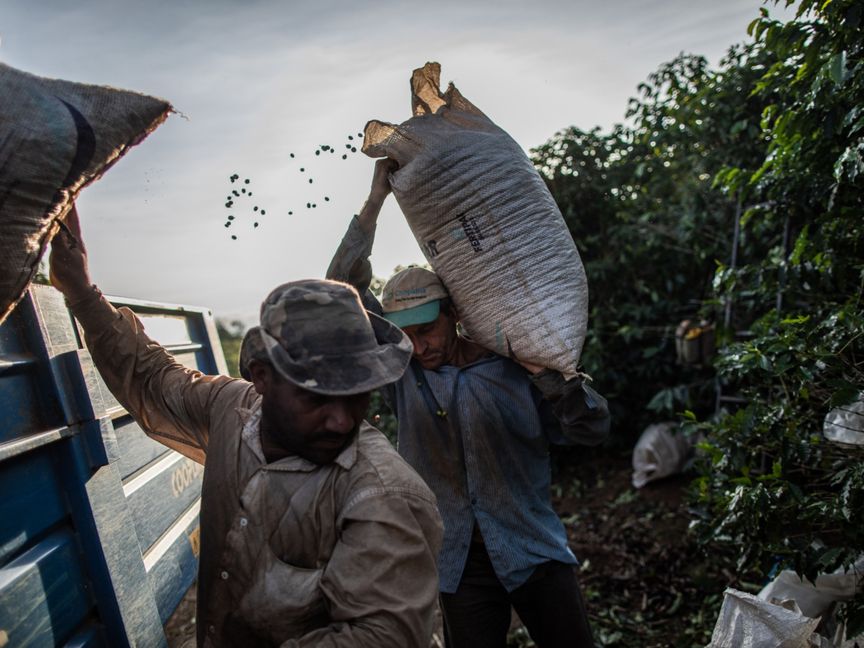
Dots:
pixel 487 461
pixel 292 553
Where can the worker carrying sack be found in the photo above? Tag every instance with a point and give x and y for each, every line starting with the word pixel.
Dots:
pixel 56 137
pixel 488 226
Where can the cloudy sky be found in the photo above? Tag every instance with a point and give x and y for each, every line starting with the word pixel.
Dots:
pixel 258 80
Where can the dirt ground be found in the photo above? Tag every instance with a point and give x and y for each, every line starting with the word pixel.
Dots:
pixel 180 629
pixel 644 582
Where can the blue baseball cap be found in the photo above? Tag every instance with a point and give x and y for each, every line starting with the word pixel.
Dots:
pixel 413 296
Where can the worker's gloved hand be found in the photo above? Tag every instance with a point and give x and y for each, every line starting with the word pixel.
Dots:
pixel 68 261
pixel 582 412
pixel 553 385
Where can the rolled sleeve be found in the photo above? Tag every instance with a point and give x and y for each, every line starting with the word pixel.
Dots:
pixel 351 263
pixel 172 403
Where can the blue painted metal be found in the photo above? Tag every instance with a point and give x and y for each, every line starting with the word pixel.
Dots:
pixel 98 523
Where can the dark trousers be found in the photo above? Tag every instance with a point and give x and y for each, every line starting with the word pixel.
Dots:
pixel 550 605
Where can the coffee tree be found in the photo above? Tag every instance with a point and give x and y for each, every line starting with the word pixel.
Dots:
pixel 771 484
pixel 735 194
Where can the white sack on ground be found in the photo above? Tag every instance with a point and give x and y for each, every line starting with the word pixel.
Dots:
pixel 661 450
pixel 56 137
pixel 488 226
pixel 746 621
pixel 846 424
pixel 815 599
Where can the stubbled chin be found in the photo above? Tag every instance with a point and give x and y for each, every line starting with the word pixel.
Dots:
pixel 431 363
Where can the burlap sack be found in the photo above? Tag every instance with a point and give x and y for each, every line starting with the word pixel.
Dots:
pixel 56 137
pixel 488 226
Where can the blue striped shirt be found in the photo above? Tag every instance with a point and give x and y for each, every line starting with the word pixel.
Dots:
pixel 487 462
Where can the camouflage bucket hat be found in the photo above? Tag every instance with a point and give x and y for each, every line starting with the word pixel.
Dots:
pixel 318 336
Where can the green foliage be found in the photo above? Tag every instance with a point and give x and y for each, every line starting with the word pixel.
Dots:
pixel 231 336
pixel 650 225
pixel 767 465
pixel 772 141
pixel 382 417
pixel 770 484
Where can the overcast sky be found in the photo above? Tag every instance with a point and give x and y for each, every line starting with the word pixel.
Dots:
pixel 255 81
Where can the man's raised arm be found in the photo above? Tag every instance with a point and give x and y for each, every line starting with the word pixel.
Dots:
pixel 171 403
pixel 351 261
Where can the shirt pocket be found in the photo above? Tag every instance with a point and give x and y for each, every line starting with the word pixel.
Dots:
pixel 283 600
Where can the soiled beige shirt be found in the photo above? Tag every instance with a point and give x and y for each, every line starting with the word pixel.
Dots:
pixel 292 553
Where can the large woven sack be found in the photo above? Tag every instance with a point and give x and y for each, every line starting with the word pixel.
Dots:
pixel 56 137
pixel 488 226
pixel 746 621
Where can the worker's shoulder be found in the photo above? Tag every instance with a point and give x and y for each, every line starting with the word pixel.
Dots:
pixel 380 467
pixel 229 394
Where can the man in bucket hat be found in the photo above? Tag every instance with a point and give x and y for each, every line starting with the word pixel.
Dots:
pixel 313 530
pixel 477 427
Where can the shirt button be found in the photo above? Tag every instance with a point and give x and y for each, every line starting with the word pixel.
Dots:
pixel 224 575
pixel 474 500
pixel 243 522
pixel 211 629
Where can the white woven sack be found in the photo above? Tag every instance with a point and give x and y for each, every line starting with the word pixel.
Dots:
pixel 56 137
pixel 488 226
pixel 662 450
pixel 815 599
pixel 845 424
pixel 746 621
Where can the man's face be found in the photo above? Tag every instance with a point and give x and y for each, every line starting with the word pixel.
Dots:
pixel 297 421
pixel 435 342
